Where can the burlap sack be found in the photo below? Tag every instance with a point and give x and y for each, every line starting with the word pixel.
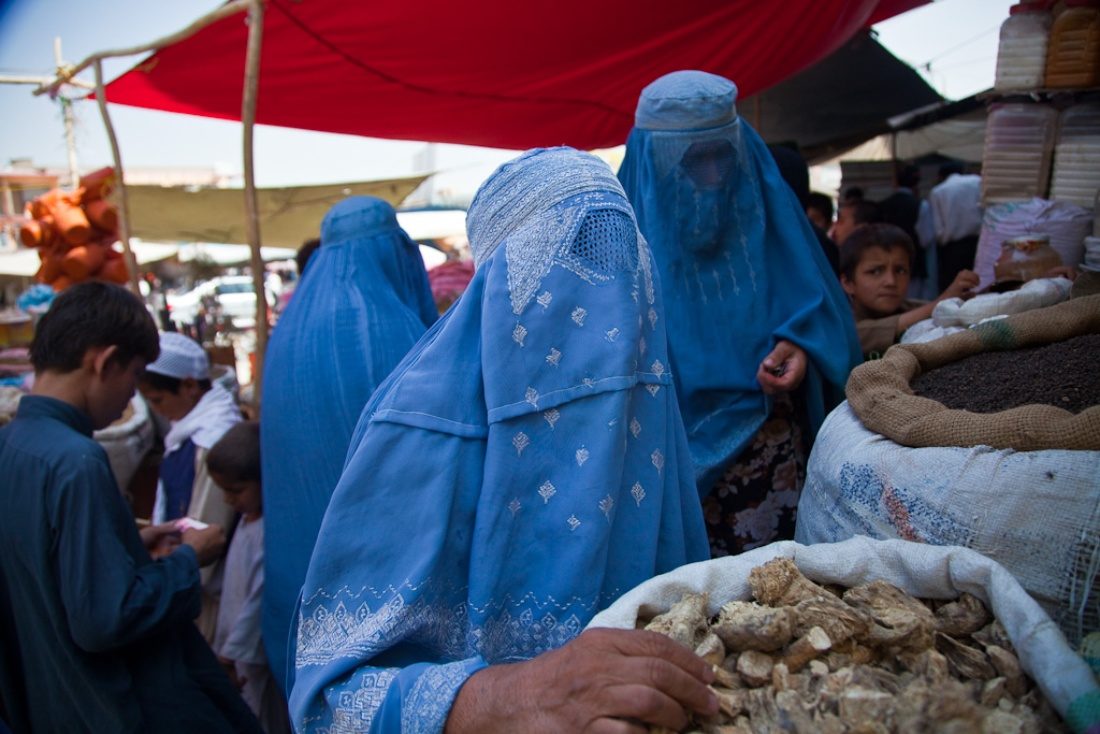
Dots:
pixel 880 394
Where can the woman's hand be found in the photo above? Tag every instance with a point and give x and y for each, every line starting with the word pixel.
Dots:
pixel 783 369
pixel 603 682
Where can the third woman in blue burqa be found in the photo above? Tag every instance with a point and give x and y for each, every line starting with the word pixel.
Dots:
pixel 761 337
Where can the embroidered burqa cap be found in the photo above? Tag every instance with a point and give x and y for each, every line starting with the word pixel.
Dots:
pixel 738 260
pixel 532 432
pixel 180 357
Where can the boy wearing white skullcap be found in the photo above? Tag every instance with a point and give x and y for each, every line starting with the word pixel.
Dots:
pixel 177 386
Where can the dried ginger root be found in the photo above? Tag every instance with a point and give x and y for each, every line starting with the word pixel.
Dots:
pixel 809 659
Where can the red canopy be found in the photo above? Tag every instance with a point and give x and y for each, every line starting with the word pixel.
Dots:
pixel 509 75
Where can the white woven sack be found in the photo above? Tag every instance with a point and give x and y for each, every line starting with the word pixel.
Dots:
pixel 1038 293
pixel 1035 512
pixel 921 570
pixel 926 331
pixel 1066 224
pixel 127 444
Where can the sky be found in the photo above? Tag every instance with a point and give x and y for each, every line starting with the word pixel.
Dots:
pixel 953 43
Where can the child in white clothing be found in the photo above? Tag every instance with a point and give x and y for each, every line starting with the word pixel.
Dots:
pixel 234 465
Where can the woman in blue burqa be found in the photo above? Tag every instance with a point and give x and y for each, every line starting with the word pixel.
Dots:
pixel 761 337
pixel 361 306
pixel 523 467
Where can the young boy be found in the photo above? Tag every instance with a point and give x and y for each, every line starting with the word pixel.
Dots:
pixel 177 386
pixel 95 635
pixel 874 272
pixel 234 465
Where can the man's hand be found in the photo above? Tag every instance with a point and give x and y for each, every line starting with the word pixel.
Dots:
pixel 783 369
pixel 209 542
pixel 603 682
pixel 160 540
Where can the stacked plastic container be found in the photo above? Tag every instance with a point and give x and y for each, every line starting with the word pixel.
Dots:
pixel 1022 51
pixel 1019 138
pixel 1073 51
pixel 1076 177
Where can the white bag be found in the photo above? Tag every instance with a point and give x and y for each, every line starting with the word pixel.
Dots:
pixel 127 443
pixel 1038 293
pixel 1066 224
pixel 1037 513
pixel 924 571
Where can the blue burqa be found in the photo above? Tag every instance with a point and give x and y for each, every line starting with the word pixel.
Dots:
pixel 523 467
pixel 362 304
pixel 739 263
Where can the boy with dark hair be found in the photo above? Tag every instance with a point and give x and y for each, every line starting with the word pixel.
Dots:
pixel 177 386
pixel 874 272
pixel 234 464
pixel 96 635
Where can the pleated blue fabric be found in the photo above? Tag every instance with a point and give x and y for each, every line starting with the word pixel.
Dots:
pixel 523 467
pixel 362 304
pixel 739 262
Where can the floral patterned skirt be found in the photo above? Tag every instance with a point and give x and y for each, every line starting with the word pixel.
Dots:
pixel 755 501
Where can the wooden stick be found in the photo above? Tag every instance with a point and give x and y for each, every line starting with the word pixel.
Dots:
pixel 248 120
pixel 65 75
pixel 123 196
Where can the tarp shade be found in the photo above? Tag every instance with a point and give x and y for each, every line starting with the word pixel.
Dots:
pixel 839 102
pixel 288 216
pixel 513 75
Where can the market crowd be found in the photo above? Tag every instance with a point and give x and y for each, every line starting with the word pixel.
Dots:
pixel 431 508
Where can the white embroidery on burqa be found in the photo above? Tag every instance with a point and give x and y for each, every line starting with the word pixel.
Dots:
pixel 532 397
pixel 653 389
pixel 652 318
pixel 588 382
pixel 514 506
pixel 546 491
pixel 658 460
pixel 553 357
pixel 573 523
pixel 612 334
pixel 606 505
pixel 544 299
pixel 578 316
pixel 521 441
pixel 551 416
pixel 354 710
pixel 641 345
pixel 635 427
pixel 638 493
pixel 581 456
pixel 509 628
pixel 699 281
pixel 427 705
pixel 518 334
pixel 657 368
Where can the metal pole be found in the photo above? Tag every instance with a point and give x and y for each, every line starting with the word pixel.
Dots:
pixel 248 119
pixel 123 196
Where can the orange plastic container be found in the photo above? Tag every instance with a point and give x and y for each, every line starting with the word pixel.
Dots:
pixel 80 262
pixel 102 214
pixel 97 184
pixel 30 233
pixel 115 271
pixel 72 224
pixel 1073 51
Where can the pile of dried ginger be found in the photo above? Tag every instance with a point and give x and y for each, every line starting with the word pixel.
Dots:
pixel 812 659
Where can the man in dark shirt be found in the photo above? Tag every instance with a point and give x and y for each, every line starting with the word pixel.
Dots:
pixel 95 635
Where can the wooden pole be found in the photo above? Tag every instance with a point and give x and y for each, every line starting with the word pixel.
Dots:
pixel 65 75
pixel 252 215
pixel 123 196
pixel 67 112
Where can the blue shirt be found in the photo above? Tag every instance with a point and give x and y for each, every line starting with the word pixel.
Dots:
pixel 96 636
